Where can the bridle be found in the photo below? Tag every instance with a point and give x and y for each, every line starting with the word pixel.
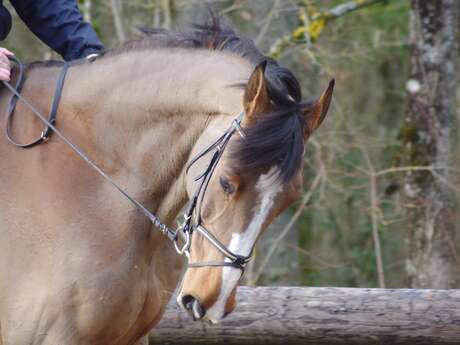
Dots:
pixel 182 236
pixel 194 206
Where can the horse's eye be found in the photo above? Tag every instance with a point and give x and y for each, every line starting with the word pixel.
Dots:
pixel 226 185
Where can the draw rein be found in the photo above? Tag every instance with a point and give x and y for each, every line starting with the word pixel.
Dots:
pixel 187 228
pixel 47 132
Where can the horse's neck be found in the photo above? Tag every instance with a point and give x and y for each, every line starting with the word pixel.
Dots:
pixel 144 112
pixel 162 82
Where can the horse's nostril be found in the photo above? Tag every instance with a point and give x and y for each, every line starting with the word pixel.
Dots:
pixel 187 300
pixel 192 305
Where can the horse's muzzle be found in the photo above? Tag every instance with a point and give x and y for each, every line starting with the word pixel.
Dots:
pixel 193 307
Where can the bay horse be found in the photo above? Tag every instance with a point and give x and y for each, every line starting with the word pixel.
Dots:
pixel 80 264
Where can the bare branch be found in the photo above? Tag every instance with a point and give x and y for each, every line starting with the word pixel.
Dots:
pixel 166 9
pixel 374 216
pixel 313 22
pixel 115 5
pixel 268 21
pixel 351 6
pixel 87 4
pixel 284 232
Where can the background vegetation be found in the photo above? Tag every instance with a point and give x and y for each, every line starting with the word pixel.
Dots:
pixel 354 198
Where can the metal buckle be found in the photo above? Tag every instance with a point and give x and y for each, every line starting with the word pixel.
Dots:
pixel 186 237
pixel 237 126
pixel 44 136
pixel 186 246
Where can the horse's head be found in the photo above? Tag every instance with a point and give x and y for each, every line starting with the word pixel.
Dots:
pixel 255 177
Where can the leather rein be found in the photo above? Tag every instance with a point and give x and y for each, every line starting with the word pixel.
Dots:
pixel 47 131
pixel 182 236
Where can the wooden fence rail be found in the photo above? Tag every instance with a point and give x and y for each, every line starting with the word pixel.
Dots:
pixel 317 316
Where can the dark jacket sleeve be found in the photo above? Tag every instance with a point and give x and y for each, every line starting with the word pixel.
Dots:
pixel 5 22
pixel 60 25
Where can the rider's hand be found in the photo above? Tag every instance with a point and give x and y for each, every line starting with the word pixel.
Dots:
pixel 5 67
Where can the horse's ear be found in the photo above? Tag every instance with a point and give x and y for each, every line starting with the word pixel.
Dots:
pixel 316 111
pixel 256 100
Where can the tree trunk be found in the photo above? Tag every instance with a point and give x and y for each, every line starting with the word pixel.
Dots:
pixel 316 316
pixel 429 136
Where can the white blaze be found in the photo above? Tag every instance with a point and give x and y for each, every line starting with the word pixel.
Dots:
pixel 241 243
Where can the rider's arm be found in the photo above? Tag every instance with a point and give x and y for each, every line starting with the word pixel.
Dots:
pixel 60 25
pixel 5 22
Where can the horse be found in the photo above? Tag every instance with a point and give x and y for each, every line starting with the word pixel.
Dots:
pixel 79 263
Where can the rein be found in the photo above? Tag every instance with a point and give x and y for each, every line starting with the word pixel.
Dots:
pixel 47 132
pixel 186 229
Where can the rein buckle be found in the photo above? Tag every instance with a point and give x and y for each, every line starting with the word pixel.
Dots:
pixel 184 230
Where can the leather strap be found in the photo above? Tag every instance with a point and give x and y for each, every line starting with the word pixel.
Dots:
pixel 171 234
pixel 202 264
pixel 235 260
pixel 47 131
pixel 46 134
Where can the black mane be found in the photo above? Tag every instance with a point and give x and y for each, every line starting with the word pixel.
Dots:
pixel 277 138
